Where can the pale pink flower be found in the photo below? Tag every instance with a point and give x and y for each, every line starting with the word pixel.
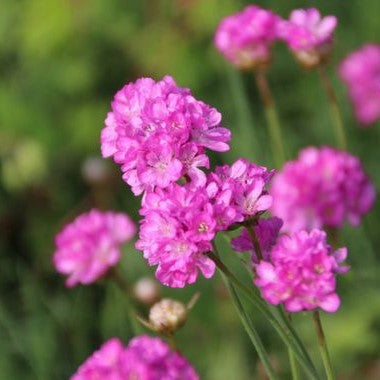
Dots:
pixel 301 271
pixel 361 73
pixel 90 245
pixel 324 187
pixel 245 38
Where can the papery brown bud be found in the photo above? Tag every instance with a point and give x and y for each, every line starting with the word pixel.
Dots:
pixel 146 290
pixel 167 316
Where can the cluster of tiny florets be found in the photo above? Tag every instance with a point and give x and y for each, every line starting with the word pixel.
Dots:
pixel 324 187
pixel 361 73
pixel 158 133
pixel 87 247
pixel 301 271
pixel 144 358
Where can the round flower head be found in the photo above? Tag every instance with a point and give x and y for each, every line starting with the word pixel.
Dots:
pixel 90 245
pixel 324 187
pixel 148 358
pixel 158 133
pixel 361 73
pixel 245 38
pixel 301 273
pixel 309 36
pixel 181 221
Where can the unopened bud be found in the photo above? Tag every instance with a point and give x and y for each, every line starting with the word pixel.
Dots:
pixel 146 291
pixel 167 316
pixel 95 170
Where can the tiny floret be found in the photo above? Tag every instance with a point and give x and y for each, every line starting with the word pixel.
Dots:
pixel 301 273
pixel 90 245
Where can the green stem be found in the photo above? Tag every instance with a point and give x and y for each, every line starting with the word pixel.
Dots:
pixel 334 109
pixel 273 123
pixel 251 331
pixel 286 333
pixel 323 346
pixel 255 242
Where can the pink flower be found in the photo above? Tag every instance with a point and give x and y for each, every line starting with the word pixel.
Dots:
pixel 145 358
pixel 158 133
pixel 90 245
pixel 301 273
pixel 324 187
pixel 361 73
pixel 309 36
pixel 245 38
pixel 266 231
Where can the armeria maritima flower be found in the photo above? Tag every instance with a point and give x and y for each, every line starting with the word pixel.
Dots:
pixel 309 36
pixel 87 247
pixel 158 133
pixel 361 73
pixel 324 187
pixel 301 273
pixel 145 358
pixel 245 38
pixel 180 222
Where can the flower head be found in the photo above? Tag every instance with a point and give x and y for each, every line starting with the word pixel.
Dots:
pixel 245 38
pixel 145 358
pixel 361 73
pixel 301 273
pixel 158 133
pixel 90 245
pixel 324 187
pixel 309 36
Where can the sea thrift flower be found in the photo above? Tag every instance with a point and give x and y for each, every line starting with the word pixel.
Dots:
pixel 90 245
pixel 180 222
pixel 361 73
pixel 266 231
pixel 324 187
pixel 245 38
pixel 309 36
pixel 158 133
pixel 301 273
pixel 144 358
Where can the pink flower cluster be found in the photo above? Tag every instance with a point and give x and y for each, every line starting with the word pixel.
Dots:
pixel 158 133
pixel 308 35
pixel 301 273
pixel 144 358
pixel 324 187
pixel 181 221
pixel 266 231
pixel 90 245
pixel 245 38
pixel 361 73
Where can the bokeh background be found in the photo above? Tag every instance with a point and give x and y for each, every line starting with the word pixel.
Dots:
pixel 61 61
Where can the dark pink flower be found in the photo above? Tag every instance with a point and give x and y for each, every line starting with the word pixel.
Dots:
pixel 300 273
pixel 90 245
pixel 361 73
pixel 324 187
pixel 245 38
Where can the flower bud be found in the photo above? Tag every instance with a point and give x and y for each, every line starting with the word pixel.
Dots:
pixel 95 170
pixel 146 291
pixel 167 316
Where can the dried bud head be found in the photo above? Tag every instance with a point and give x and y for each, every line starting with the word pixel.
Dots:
pixel 167 316
pixel 146 290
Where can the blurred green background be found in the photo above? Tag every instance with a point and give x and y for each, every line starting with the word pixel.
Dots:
pixel 61 61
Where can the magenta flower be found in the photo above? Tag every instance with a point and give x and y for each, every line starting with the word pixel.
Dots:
pixel 266 231
pixel 245 38
pixel 145 358
pixel 361 73
pixel 301 273
pixel 324 187
pixel 309 36
pixel 90 245
pixel 158 133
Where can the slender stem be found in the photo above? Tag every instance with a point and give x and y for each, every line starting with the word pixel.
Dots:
pixel 172 342
pixel 255 242
pixel 285 331
pixel 251 331
pixel 323 346
pixel 334 109
pixel 274 128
